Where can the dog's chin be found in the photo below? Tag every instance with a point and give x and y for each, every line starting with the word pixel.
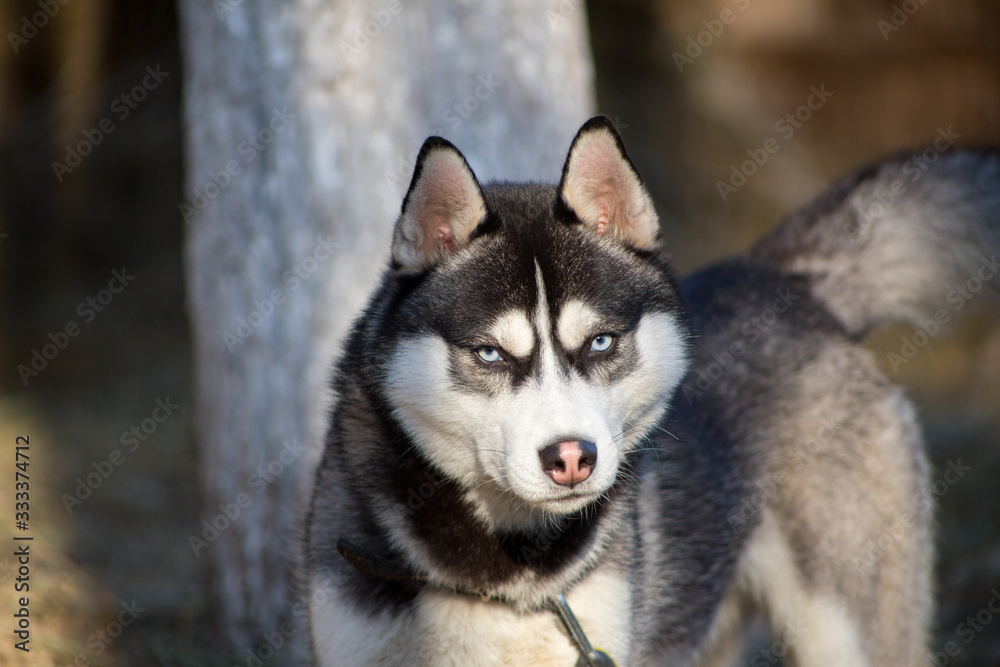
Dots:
pixel 546 498
pixel 504 508
pixel 567 504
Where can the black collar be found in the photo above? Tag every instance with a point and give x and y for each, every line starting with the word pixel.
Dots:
pixel 398 571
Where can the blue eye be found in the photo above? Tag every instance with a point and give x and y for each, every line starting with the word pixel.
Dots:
pixel 602 343
pixel 489 354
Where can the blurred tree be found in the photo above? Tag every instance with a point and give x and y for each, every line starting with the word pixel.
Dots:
pixel 303 119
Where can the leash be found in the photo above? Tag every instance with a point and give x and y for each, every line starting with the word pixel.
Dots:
pixel 383 568
pixel 589 656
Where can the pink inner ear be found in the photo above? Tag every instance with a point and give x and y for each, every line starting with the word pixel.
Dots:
pixel 441 210
pixel 603 189
pixel 602 223
pixel 599 179
pixel 438 234
pixel 444 237
pixel 446 199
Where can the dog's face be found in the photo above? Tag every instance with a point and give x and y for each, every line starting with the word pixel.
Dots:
pixel 537 335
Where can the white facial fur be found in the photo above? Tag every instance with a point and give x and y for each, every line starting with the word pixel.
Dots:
pixel 490 444
pixel 576 323
pixel 513 332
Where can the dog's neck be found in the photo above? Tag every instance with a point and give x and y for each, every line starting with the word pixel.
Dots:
pixel 383 569
pixel 456 549
pixel 418 513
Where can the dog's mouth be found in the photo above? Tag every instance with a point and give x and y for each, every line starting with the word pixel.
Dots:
pixel 563 501
pixel 568 502
pixel 504 507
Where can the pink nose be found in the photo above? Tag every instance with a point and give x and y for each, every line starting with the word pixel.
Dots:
pixel 569 462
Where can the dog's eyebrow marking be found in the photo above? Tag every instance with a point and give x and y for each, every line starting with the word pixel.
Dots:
pixel 576 323
pixel 513 332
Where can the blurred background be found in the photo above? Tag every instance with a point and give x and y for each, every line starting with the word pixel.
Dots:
pixel 692 84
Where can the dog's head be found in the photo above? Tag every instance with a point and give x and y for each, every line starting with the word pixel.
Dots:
pixel 537 334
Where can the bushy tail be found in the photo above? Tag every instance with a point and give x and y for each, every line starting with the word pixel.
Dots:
pixel 899 240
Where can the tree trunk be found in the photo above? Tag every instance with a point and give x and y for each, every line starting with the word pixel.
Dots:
pixel 303 119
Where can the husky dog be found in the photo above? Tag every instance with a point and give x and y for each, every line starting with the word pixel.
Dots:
pixel 538 427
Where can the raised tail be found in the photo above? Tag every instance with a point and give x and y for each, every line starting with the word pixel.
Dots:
pixel 899 240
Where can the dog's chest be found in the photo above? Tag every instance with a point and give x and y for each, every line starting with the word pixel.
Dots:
pixel 452 629
pixel 463 630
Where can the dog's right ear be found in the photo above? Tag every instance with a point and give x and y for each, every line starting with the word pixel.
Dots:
pixel 440 211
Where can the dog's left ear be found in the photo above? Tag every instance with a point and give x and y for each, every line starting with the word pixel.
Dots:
pixel 601 186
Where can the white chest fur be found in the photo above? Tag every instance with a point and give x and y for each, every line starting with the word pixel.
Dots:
pixel 451 629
